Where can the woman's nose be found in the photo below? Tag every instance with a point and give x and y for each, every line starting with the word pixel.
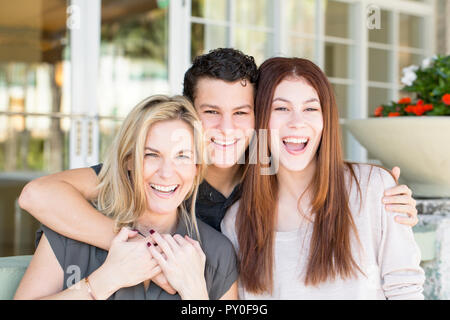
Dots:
pixel 166 169
pixel 297 120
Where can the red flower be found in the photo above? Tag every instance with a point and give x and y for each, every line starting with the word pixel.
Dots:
pixel 379 111
pixel 405 100
pixel 410 109
pixel 393 114
pixel 428 107
pixel 419 109
pixel 446 99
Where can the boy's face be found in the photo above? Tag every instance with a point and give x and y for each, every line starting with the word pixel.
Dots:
pixel 227 113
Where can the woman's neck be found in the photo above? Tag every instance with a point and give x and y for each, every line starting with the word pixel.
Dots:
pixel 162 223
pixel 223 179
pixel 294 183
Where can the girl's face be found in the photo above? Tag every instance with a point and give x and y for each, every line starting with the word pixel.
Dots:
pixel 169 165
pixel 296 124
pixel 226 112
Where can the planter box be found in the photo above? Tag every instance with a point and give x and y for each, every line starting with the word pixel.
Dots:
pixel 420 146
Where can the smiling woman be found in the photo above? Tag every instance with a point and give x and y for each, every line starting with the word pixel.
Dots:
pixel 155 164
pixel 305 231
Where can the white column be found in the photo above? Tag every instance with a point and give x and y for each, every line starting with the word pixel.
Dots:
pixel 280 28
pixel 179 43
pixel 358 100
pixel 83 23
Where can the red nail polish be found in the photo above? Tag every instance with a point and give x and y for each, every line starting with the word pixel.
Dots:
pixel 148 244
pixel 152 231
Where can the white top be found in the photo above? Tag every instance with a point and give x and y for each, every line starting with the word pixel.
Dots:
pixel 389 257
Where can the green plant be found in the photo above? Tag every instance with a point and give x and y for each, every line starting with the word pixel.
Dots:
pixel 430 83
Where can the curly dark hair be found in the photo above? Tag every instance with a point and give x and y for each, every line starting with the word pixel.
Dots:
pixel 226 64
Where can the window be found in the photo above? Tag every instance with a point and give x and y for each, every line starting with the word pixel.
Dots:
pixel 246 25
pixel 34 109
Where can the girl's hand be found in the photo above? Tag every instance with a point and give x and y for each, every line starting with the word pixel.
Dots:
pixel 184 264
pixel 399 199
pixel 129 263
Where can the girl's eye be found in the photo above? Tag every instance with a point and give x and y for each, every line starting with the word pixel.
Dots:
pixel 183 156
pixel 240 113
pixel 281 109
pixel 311 109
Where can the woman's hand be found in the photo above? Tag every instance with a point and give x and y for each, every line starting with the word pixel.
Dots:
pixel 128 263
pixel 160 279
pixel 399 199
pixel 184 264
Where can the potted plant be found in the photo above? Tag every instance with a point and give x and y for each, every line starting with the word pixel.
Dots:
pixel 414 132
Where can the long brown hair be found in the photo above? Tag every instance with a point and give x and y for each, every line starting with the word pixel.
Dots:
pixel 330 247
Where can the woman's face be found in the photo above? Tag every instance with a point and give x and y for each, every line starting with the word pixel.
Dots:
pixel 296 124
pixel 169 165
pixel 226 112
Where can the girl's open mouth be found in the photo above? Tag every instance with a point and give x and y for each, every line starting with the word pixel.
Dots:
pixel 295 145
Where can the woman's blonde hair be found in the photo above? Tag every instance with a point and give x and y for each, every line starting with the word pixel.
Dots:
pixel 121 191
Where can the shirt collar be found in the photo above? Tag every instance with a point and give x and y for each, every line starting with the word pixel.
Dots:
pixel 206 191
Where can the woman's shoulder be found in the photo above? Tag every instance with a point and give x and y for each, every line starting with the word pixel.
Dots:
pixel 371 176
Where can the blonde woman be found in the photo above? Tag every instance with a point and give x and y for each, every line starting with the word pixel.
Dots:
pixel 154 165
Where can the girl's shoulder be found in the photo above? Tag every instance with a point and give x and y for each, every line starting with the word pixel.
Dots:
pixel 370 176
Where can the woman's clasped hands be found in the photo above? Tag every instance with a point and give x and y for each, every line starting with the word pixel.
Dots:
pixel 174 263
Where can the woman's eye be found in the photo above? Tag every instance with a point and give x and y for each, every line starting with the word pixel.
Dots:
pixel 211 112
pixel 281 109
pixel 153 155
pixel 183 156
pixel 311 109
pixel 240 113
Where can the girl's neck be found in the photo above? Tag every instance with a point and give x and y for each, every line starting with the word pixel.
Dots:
pixel 223 179
pixel 294 183
pixel 162 223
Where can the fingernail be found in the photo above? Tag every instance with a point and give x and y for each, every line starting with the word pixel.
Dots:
pixel 152 231
pixel 148 244
pixel 155 244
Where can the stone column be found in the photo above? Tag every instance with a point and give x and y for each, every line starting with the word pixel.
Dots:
pixel 432 234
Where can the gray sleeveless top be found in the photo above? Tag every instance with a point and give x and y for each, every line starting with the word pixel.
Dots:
pixel 78 260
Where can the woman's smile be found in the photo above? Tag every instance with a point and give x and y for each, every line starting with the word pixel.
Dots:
pixel 164 192
pixel 295 145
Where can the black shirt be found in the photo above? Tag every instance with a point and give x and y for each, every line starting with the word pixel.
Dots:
pixel 211 205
